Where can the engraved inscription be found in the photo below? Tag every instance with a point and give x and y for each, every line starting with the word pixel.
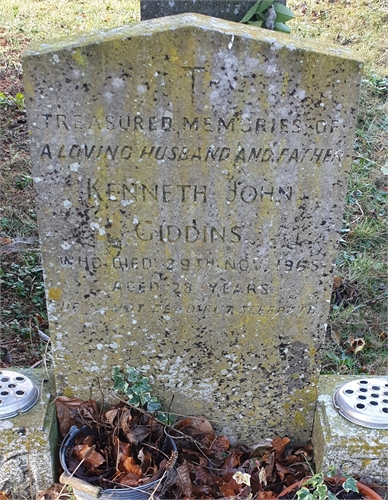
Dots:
pixel 237 243
pixel 185 153
pixel 139 123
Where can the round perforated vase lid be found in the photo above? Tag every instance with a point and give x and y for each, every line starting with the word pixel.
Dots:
pixel 364 402
pixel 18 394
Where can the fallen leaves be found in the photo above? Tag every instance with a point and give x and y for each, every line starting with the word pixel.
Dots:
pixel 74 411
pixel 356 344
pixel 121 447
pixel 344 292
pixel 209 467
pixel 88 455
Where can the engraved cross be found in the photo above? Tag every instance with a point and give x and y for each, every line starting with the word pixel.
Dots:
pixel 192 70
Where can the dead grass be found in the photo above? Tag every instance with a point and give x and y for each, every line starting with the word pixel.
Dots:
pixel 50 19
pixel 359 24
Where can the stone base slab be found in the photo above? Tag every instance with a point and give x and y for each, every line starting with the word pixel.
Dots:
pixel 347 447
pixel 29 442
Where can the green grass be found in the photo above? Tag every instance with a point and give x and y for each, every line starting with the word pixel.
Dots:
pixel 22 282
pixel 359 305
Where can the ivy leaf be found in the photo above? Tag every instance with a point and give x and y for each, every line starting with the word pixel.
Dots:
pixel 350 485
pixel 131 374
pixel 331 496
pixel 133 399
pixel 153 406
pixel 121 386
pixel 119 382
pixel 321 491
pixel 116 370
pixel 147 399
pixel 141 386
pixel 315 480
pixel 304 494
pixel 282 27
pixel 283 13
pixel 166 418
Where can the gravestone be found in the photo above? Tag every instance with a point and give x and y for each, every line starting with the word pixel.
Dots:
pixel 190 179
pixel 225 9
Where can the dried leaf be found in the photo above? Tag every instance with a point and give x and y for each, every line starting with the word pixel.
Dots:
pixel 266 495
pixel 194 456
pixel 89 454
pixel 290 479
pixel 356 345
pixel 232 461
pixel 144 456
pixel 131 466
pixel 279 445
pixel 241 478
pixel 137 434
pixel 111 415
pixel 281 471
pixel 121 451
pixel 200 475
pixel 220 444
pixel 125 420
pixel 74 468
pixel 203 491
pixel 263 476
pixel 74 411
pixel 306 451
pixel 129 479
pixel 90 440
pixel 336 336
pixel 40 320
pixel 147 462
pixel 269 459
pixel 230 488
pixel 195 426
pixel 55 492
pixel 184 479
pixel 337 282
pixel 5 355
pixel 121 447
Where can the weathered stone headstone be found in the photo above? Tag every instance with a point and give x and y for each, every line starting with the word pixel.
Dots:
pixel 224 9
pixel 190 178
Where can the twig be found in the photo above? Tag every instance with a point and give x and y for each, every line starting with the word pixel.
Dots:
pixel 30 330
pixel 169 407
pixel 154 448
pixel 102 396
pixel 157 486
pixel 72 474
pixel 183 435
pixel 361 210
